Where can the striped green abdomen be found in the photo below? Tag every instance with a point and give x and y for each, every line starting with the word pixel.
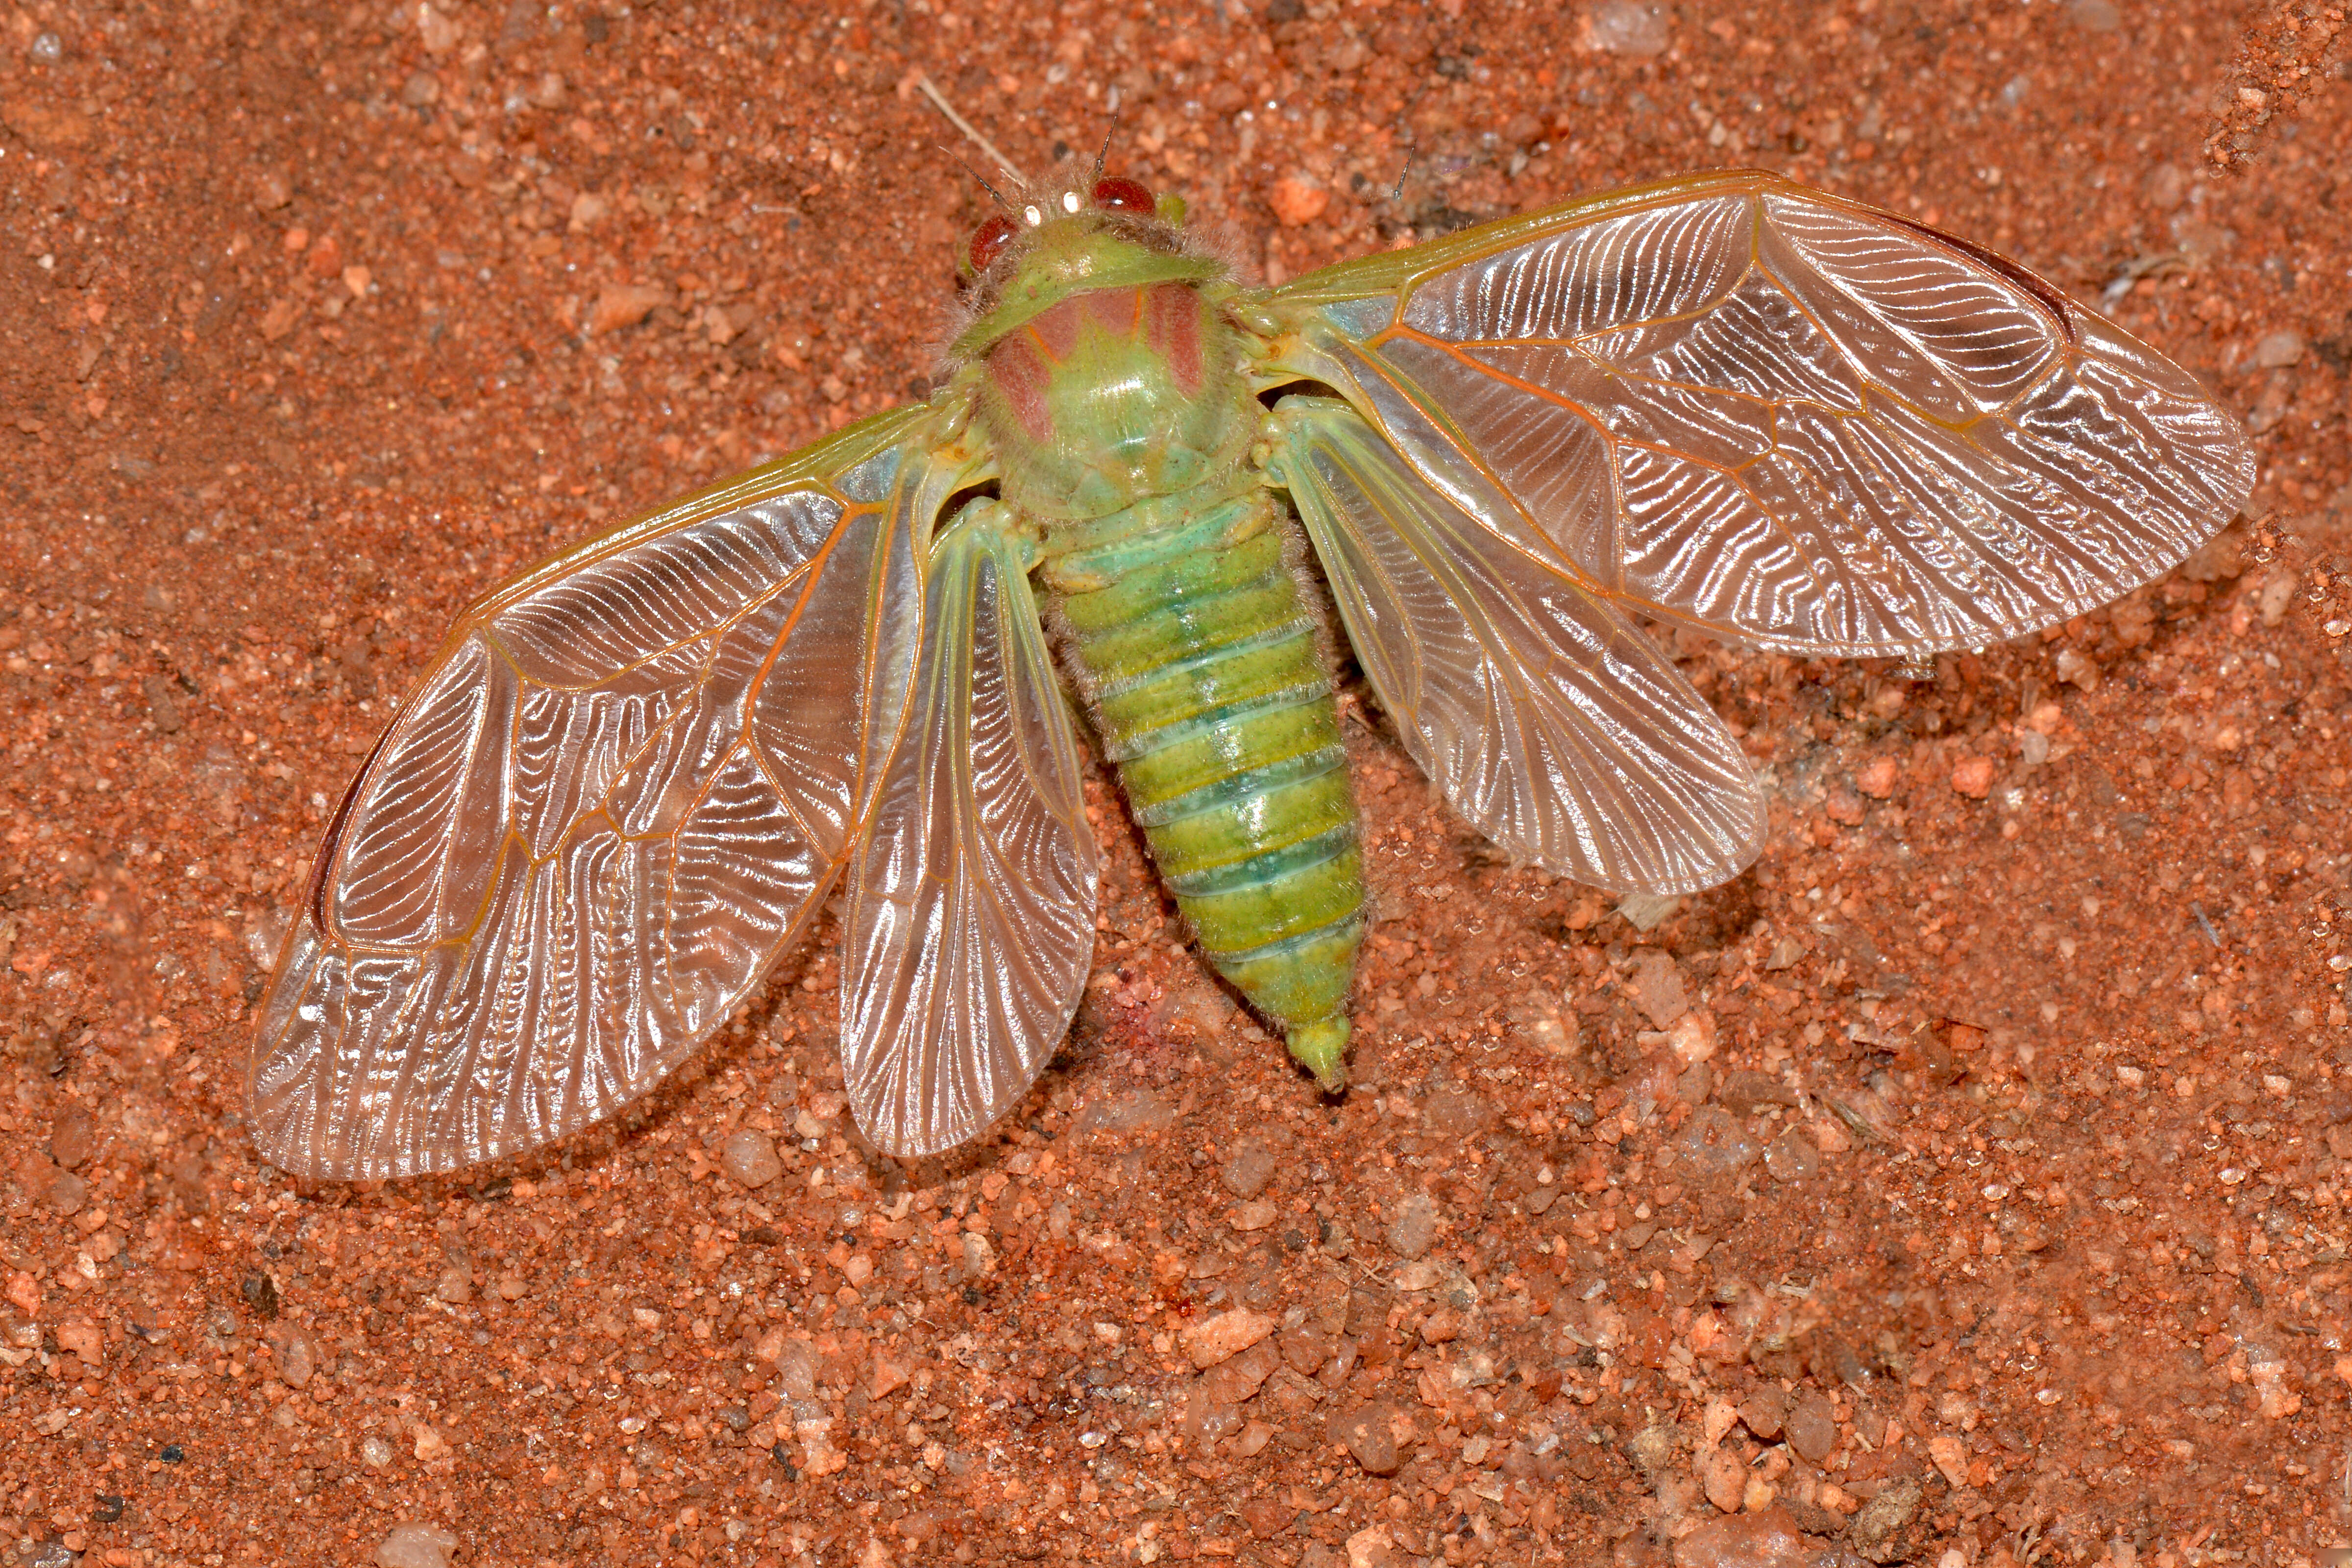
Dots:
pixel 1124 428
pixel 1211 694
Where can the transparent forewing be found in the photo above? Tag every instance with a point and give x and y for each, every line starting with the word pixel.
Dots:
pixel 972 902
pixel 617 797
pixel 1558 729
pixel 1782 418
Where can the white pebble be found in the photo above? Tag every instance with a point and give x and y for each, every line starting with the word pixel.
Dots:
pixel 415 1546
pixel 750 1158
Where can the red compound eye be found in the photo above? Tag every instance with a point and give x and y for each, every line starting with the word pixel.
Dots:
pixel 1120 194
pixel 988 240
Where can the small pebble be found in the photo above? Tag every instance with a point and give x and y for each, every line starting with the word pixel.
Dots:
pixel 1792 1157
pixel 1305 1352
pixel 1763 1411
pixel 2275 350
pixel 1766 1539
pixel 1812 1426
pixel 260 1293
pixel 625 305
pixel 1369 1432
pixel 1226 1335
pixel 1882 1518
pixel 1232 1382
pixel 1877 778
pixel 163 704
pixel 1143 1110
pixel 2268 1371
pixel 72 1137
pixel 415 1546
pixel 1298 199
pixel 887 1376
pixel 1422 1275
pixel 1652 1448
pixel 1459 1116
pixel 375 1452
pixel 63 1191
pixel 749 1158
pixel 1248 1169
pixel 87 1340
pixel 441 34
pixel 1647 911
pixel 1714 1144
pixel 1972 777
pixel 1372 1547
pixel 1692 1039
pixel 1414 1226
pixel 296 1354
pixel 1634 28
pixel 1254 1216
pixel 1744 1092
pixel 1658 988
pixel 1724 1479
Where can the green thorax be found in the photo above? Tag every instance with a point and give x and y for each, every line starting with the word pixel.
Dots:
pixel 1104 370
pixel 1114 396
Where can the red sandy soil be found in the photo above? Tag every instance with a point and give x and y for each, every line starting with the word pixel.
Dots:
pixel 2006 1223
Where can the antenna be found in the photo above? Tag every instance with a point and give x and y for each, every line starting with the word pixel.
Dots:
pixel 1106 146
pixel 1398 194
pixel 940 103
pixel 983 185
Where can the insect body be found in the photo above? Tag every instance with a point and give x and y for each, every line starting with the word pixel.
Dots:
pixel 1722 402
pixel 1127 425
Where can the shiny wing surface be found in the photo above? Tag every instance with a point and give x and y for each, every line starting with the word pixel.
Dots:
pixel 972 902
pixel 1780 417
pixel 617 796
pixel 1556 728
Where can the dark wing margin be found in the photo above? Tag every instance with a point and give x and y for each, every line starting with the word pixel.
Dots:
pixel 1780 417
pixel 618 796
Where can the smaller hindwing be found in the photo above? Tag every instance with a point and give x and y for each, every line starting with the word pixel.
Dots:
pixel 972 900
pixel 1558 729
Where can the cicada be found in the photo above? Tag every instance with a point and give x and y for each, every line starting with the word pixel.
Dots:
pixel 634 774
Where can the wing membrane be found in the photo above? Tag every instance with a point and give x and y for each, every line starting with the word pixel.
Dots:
pixel 617 797
pixel 1782 418
pixel 971 914
pixel 1558 730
